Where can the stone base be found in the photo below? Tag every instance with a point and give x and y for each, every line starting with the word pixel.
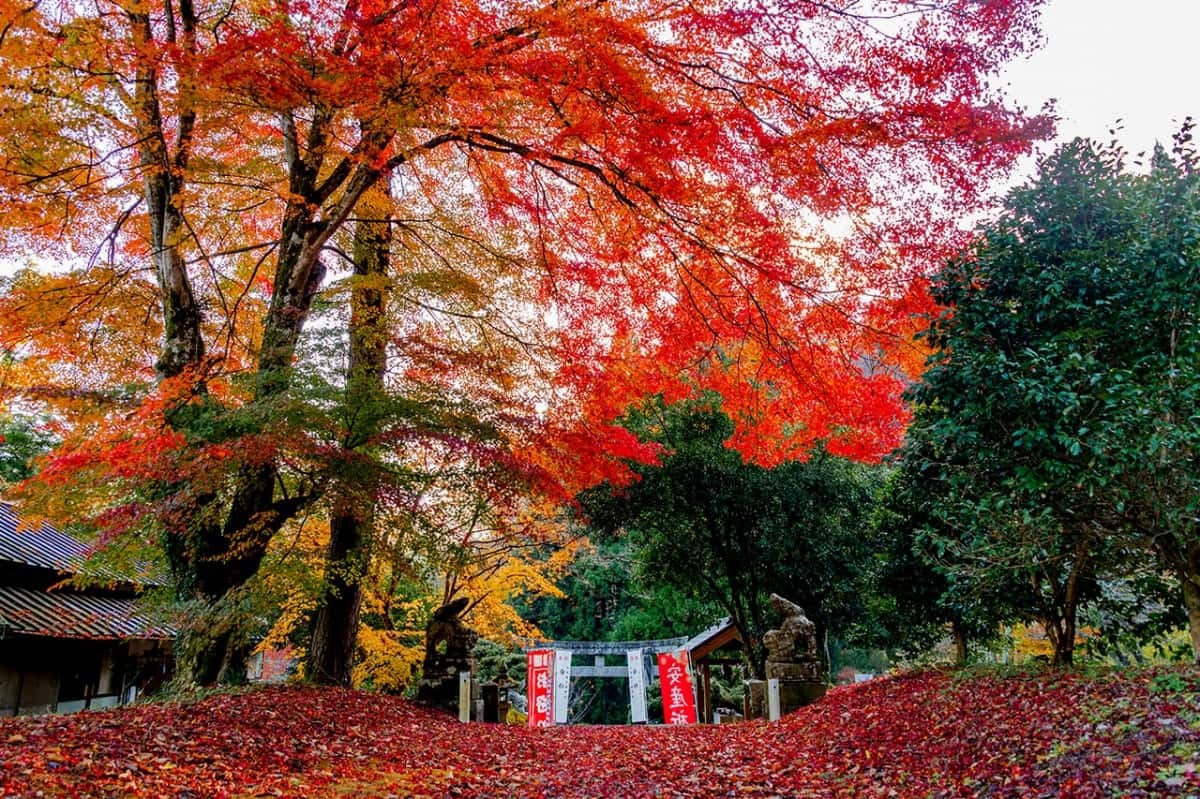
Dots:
pixel 441 692
pixel 806 671
pixel 440 688
pixel 795 694
pixel 754 703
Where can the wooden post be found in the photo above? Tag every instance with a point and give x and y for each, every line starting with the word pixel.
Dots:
pixel 562 685
pixel 773 699
pixel 464 696
pixel 491 702
pixel 755 703
pixel 706 703
pixel 20 690
pixel 637 686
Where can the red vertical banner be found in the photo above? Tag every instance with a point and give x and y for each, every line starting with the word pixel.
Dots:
pixel 679 703
pixel 539 685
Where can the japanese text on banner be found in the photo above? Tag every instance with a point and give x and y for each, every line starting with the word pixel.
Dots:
pixel 679 703
pixel 540 686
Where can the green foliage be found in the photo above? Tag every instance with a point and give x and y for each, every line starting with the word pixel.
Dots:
pixel 607 597
pixel 21 440
pixel 718 529
pixel 1169 683
pixel 872 661
pixel 1030 669
pixel 915 601
pixel 495 663
pixel 1133 613
pixel 1055 429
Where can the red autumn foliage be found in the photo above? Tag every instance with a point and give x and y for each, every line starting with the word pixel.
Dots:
pixel 590 203
pixel 925 735
pixel 638 198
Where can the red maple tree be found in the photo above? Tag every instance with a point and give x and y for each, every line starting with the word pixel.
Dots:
pixel 592 202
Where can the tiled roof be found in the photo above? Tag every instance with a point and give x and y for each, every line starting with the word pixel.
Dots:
pixel 64 615
pixel 42 546
pixel 46 547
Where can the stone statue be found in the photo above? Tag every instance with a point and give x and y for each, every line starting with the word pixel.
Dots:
pixel 792 656
pixel 796 639
pixel 448 651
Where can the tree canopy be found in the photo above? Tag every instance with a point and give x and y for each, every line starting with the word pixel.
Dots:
pixel 1055 431
pixel 22 439
pixel 720 530
pixel 591 202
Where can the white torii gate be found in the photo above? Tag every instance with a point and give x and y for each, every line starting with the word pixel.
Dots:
pixel 634 670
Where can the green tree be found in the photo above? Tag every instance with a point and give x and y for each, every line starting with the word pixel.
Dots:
pixel 721 530
pixel 21 440
pixel 606 597
pixel 916 599
pixel 1056 423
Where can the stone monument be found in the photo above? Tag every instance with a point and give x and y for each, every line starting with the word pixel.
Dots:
pixel 448 651
pixel 792 657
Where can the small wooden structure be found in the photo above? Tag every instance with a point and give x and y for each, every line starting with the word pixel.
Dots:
pixel 705 649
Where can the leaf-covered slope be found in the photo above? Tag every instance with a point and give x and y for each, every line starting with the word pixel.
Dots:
pixel 918 736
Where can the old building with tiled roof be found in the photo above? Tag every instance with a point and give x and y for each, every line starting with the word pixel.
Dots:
pixel 65 648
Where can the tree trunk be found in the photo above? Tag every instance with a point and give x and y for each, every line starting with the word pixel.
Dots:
pixel 1063 627
pixel 1064 642
pixel 960 643
pixel 164 170
pixel 217 548
pixel 825 653
pixel 220 556
pixel 213 648
pixel 823 650
pixel 1191 600
pixel 223 555
pixel 351 530
pixel 212 562
pixel 335 628
pixel 1179 553
pixel 205 648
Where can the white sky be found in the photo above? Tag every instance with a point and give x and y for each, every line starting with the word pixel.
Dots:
pixel 1104 60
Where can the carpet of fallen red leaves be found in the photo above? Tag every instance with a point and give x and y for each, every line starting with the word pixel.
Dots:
pixel 925 735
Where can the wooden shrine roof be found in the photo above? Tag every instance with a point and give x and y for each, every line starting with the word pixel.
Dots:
pixel 705 643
